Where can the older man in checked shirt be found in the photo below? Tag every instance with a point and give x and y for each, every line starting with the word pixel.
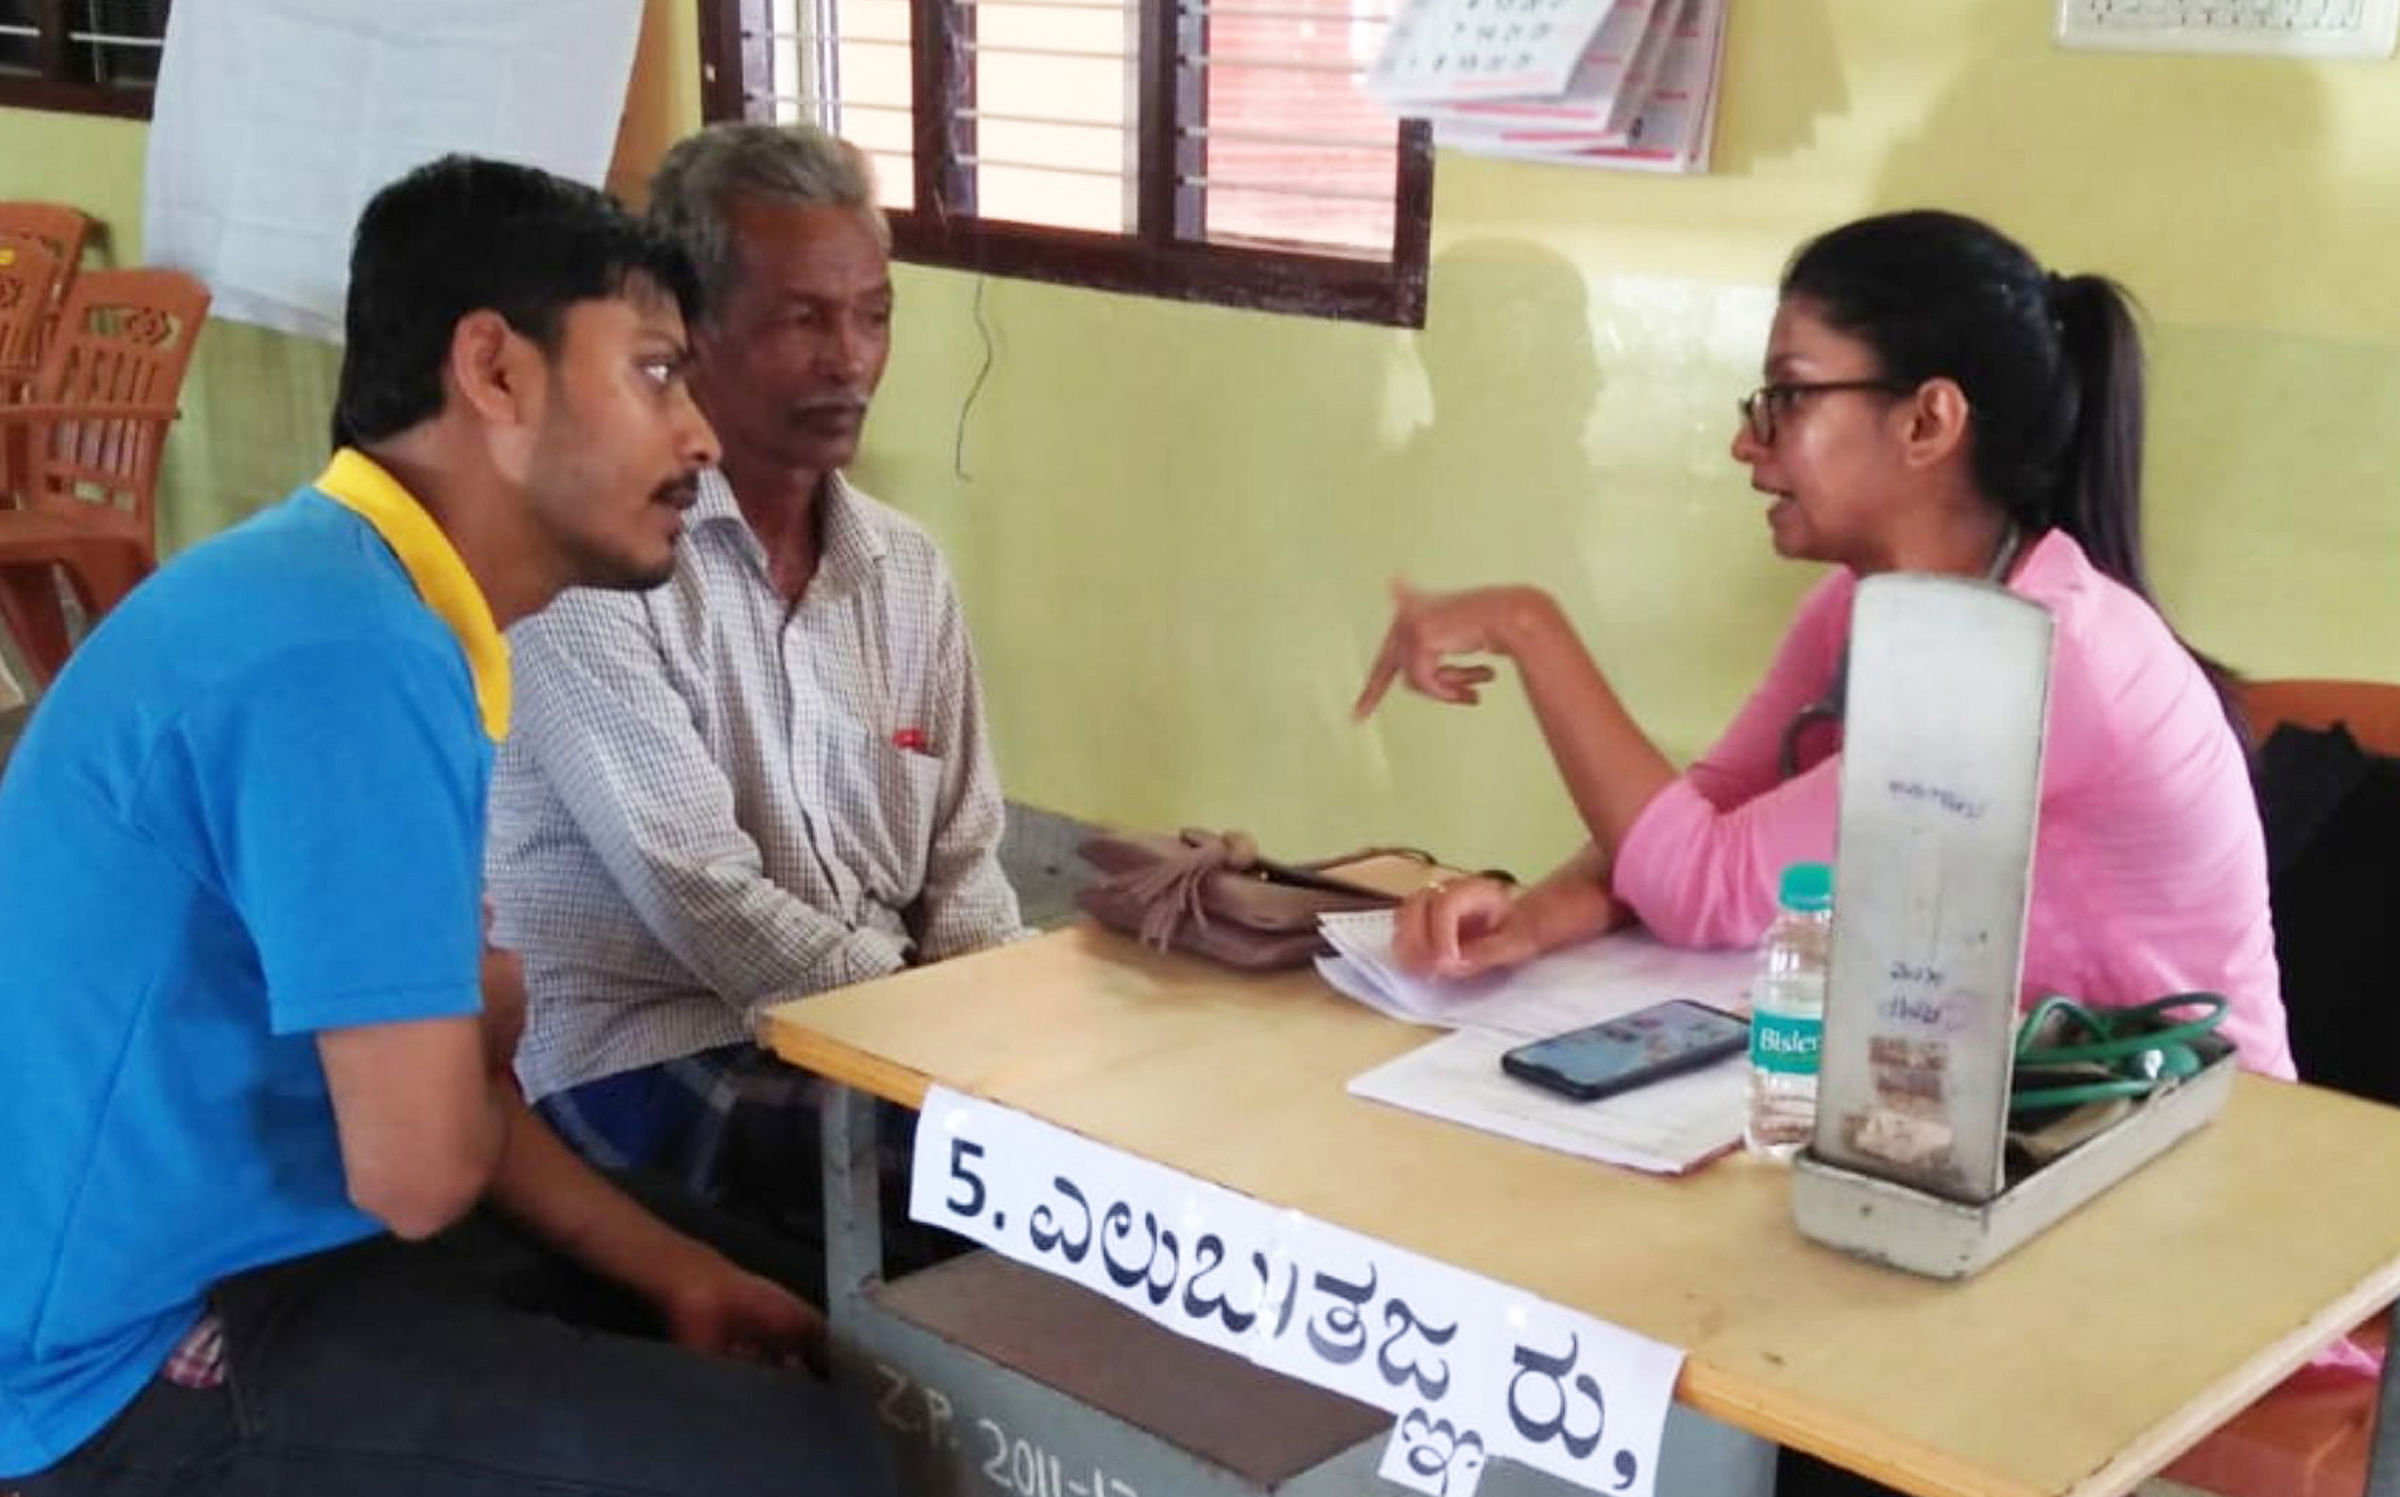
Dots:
pixel 770 776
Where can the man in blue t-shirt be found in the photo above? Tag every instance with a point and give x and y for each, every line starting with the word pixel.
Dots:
pixel 251 1084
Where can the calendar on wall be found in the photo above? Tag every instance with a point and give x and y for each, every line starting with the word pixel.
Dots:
pixel 1629 83
pixel 2263 28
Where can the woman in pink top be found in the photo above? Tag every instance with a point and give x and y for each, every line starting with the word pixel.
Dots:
pixel 1934 402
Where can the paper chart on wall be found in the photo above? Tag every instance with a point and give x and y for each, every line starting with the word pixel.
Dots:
pixel 1610 83
pixel 1672 131
pixel 1638 88
pixel 1446 51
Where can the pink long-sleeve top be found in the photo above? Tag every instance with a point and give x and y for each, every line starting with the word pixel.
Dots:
pixel 2149 868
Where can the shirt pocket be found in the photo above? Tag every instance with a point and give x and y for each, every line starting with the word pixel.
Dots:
pixel 885 802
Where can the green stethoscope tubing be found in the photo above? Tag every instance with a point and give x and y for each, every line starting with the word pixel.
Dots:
pixel 2122 1034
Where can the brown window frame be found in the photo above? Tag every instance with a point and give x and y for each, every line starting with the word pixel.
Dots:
pixel 1162 256
pixel 61 88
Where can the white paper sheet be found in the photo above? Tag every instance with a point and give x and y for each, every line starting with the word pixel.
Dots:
pixel 1667 1127
pixel 275 121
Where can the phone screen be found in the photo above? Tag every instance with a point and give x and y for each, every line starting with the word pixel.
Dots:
pixel 1625 1052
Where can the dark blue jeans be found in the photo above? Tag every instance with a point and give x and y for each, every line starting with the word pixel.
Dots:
pixel 737 1128
pixel 477 1364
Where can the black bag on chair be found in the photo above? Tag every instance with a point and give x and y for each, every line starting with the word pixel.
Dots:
pixel 2332 813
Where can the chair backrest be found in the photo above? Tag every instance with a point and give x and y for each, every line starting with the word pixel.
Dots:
pixel 30 277
pixel 2370 709
pixel 62 228
pixel 123 342
pixel 62 231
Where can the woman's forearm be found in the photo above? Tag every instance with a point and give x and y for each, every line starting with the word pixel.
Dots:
pixel 1572 904
pixel 1610 766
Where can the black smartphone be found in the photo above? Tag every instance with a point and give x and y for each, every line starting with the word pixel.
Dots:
pixel 1619 1054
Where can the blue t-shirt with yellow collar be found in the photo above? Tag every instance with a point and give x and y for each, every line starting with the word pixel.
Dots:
pixel 249 809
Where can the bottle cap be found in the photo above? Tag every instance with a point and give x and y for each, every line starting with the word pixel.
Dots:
pixel 1806 886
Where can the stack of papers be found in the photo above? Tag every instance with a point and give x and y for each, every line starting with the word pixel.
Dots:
pixel 1600 979
pixel 1629 83
pixel 1666 1127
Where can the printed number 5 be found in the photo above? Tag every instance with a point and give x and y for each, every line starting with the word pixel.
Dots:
pixel 962 1150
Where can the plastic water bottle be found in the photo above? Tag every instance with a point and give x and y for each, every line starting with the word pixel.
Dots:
pixel 1787 1014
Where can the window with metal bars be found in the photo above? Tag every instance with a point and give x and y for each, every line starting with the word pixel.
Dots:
pixel 1209 150
pixel 82 56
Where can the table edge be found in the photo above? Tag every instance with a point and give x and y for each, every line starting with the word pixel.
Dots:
pixel 1761 1408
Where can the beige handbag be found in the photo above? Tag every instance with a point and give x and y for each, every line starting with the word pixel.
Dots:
pixel 1212 895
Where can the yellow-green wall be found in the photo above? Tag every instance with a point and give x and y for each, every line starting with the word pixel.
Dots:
pixel 1174 525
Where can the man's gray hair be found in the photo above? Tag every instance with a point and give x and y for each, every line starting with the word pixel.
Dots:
pixel 693 192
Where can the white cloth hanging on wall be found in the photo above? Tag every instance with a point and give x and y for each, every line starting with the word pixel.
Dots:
pixel 276 120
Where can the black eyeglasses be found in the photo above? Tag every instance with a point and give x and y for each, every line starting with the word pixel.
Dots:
pixel 1767 404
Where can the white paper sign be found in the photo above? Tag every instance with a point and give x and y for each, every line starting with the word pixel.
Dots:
pixel 1579 1398
pixel 1180 1251
pixel 1471 1370
pixel 273 124
pixel 1430 1454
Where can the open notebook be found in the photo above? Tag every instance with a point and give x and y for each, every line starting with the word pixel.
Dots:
pixel 1667 1127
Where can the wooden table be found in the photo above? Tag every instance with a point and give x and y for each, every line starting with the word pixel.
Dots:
pixel 2079 1365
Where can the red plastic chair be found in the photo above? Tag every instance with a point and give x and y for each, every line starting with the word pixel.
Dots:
pixel 61 228
pixel 30 277
pixel 2370 709
pixel 81 458
pixel 34 234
